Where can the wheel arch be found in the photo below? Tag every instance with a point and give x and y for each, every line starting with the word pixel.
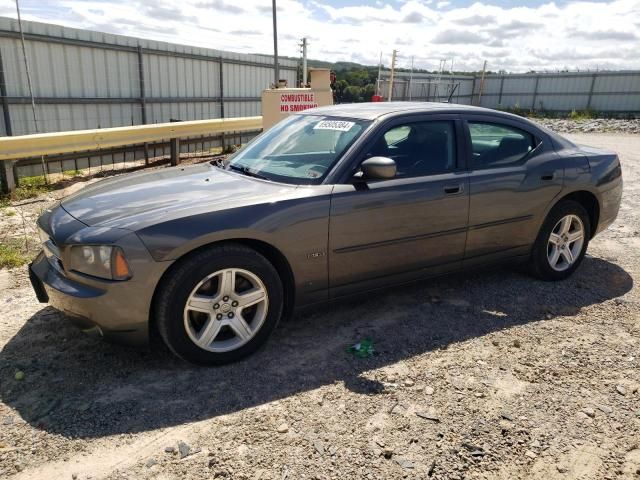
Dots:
pixel 590 203
pixel 271 253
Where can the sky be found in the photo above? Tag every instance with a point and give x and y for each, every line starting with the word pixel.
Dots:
pixel 515 36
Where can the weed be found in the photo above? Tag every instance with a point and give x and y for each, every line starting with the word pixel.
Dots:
pixel 229 149
pixel 516 110
pixel 582 114
pixel 11 256
pixel 30 187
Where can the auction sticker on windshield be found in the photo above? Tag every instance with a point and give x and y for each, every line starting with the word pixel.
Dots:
pixel 339 125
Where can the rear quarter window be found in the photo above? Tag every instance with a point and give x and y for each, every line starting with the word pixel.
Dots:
pixel 497 145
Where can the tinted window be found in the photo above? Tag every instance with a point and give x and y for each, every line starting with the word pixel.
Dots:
pixel 421 148
pixel 496 145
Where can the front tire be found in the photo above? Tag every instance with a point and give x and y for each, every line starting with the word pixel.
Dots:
pixel 219 305
pixel 562 242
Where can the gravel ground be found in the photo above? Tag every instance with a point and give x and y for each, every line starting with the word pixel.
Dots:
pixel 595 125
pixel 489 375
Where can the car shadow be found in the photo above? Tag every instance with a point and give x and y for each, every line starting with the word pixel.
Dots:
pixel 81 387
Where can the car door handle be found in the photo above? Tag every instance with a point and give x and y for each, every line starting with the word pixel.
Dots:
pixel 453 189
pixel 548 176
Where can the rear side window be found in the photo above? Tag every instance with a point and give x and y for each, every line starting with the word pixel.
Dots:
pixel 495 145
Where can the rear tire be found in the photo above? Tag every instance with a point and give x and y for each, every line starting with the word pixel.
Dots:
pixel 561 243
pixel 219 305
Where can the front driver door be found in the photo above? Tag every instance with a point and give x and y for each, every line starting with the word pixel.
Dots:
pixel 388 231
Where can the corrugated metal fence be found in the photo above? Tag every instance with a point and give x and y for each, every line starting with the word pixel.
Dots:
pixel 84 79
pixel 608 93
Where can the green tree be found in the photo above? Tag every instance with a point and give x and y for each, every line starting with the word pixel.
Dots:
pixel 368 91
pixel 341 86
pixel 352 94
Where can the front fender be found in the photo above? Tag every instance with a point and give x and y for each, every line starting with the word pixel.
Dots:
pixel 298 228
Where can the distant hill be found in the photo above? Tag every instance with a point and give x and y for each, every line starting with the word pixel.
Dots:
pixel 337 66
pixel 352 66
pixel 345 66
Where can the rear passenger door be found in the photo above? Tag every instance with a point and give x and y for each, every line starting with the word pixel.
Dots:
pixel 514 174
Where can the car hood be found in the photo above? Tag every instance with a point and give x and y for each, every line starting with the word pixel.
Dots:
pixel 142 199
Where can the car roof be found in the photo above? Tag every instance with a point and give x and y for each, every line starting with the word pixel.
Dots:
pixel 374 110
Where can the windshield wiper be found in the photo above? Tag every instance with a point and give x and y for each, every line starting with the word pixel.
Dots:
pixel 247 172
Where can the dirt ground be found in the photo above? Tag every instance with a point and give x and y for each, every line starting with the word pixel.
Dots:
pixel 484 375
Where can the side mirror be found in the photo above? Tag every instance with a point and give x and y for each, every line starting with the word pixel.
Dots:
pixel 378 168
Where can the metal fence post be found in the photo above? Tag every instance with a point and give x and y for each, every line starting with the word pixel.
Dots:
pixel 591 88
pixel 473 90
pixel 175 151
pixel 7 178
pixel 535 93
pixel 143 99
pixel 222 139
pixel 5 101
pixel 500 94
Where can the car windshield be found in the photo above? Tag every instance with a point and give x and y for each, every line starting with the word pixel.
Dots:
pixel 300 149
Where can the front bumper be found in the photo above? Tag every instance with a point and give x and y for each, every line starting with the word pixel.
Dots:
pixel 112 311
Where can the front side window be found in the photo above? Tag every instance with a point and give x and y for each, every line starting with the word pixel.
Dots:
pixel 495 145
pixel 300 149
pixel 418 148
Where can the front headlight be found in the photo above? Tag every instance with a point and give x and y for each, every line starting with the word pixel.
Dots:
pixel 102 261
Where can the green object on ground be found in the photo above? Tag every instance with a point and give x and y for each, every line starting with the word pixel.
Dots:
pixel 19 375
pixel 11 255
pixel 362 349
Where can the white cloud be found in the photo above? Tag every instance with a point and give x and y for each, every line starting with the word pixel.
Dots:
pixel 579 34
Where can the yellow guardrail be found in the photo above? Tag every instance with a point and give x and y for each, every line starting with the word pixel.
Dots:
pixel 26 146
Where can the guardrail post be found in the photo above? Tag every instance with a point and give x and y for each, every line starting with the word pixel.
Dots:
pixel 7 176
pixel 175 151
pixel 501 88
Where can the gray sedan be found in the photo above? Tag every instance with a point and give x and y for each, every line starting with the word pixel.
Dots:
pixel 329 202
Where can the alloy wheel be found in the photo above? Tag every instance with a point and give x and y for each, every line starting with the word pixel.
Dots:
pixel 226 310
pixel 565 242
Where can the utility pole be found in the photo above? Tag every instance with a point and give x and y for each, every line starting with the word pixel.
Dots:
pixel 393 68
pixel 275 44
pixel 484 69
pixel 304 61
pixel 379 73
pixel 30 85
